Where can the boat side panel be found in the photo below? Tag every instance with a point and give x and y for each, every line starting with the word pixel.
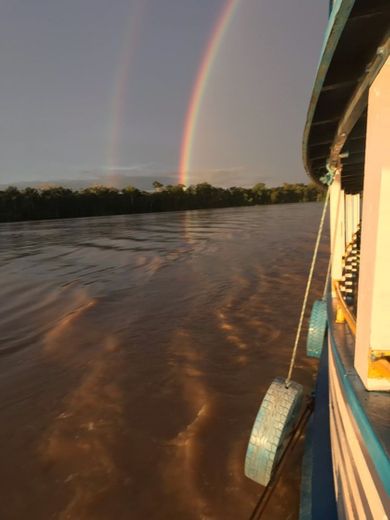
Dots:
pixel 323 497
pixel 359 492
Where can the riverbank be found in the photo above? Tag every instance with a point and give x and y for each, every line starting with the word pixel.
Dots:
pixel 59 202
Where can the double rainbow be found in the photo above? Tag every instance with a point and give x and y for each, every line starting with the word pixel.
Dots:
pixel 199 88
pixel 130 42
pixel 121 83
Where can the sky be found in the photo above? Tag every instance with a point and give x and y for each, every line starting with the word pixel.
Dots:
pixel 100 92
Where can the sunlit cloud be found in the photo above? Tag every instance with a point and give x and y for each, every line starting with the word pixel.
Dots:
pixel 228 176
pixel 130 168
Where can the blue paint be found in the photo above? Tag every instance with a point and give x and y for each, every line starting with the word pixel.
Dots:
pixel 307 475
pixel 337 20
pixel 276 418
pixel 371 442
pixel 317 329
pixel 318 501
pixel 323 505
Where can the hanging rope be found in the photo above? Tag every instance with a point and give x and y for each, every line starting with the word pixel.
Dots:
pixel 298 334
pixel 296 434
pixel 327 277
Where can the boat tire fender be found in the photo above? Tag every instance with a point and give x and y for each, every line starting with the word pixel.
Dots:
pixel 317 329
pixel 274 423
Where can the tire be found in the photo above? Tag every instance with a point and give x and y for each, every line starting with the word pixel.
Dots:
pixel 274 422
pixel 317 329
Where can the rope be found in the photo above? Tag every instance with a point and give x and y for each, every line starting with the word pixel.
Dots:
pixel 294 352
pixel 327 278
pixel 295 436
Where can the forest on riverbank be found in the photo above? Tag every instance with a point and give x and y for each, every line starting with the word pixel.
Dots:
pixel 59 202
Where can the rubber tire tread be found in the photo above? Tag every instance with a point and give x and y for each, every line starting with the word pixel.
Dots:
pixel 317 328
pixel 275 419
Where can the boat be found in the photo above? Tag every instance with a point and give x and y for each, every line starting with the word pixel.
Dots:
pixel 346 149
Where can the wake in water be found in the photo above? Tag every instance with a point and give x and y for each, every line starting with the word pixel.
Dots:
pixel 135 354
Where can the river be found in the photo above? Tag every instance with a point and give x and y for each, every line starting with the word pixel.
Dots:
pixel 135 351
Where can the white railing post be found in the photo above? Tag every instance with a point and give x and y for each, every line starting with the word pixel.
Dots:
pixel 356 210
pixel 349 218
pixel 337 229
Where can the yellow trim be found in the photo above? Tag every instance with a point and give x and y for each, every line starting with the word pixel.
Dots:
pixel 378 354
pixel 378 362
pixel 379 369
pixel 342 306
pixel 340 318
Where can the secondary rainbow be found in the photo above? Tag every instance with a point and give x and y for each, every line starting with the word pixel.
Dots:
pixel 199 88
pixel 131 40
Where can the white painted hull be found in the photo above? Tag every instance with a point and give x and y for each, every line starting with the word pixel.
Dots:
pixel 358 487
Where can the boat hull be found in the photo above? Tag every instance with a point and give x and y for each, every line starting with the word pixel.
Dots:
pixel 360 465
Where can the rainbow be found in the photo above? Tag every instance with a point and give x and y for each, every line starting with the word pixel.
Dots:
pixel 200 84
pixel 130 41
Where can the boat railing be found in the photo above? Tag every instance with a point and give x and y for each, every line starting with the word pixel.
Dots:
pixel 346 291
pixel 347 287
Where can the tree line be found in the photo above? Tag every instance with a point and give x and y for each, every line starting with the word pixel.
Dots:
pixel 58 202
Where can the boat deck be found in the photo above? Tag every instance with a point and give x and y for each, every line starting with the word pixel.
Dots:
pixel 376 405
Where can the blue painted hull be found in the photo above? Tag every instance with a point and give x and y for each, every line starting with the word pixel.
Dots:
pixel 317 485
pixel 346 465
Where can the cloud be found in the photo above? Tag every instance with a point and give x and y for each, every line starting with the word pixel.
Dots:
pixel 230 169
pixel 148 167
pixel 119 180
pixel 142 176
pixel 227 177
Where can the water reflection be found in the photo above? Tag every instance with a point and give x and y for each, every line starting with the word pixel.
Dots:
pixel 135 351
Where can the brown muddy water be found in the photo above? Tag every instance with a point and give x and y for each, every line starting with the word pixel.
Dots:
pixel 135 351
